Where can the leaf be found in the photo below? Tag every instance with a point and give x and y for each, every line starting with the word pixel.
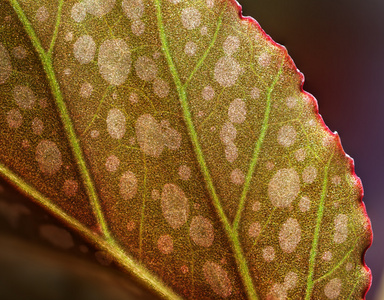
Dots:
pixel 176 136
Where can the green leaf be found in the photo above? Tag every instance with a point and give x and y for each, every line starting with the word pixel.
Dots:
pixel 175 135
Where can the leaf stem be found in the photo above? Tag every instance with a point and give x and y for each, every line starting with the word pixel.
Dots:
pixel 65 118
pixel 232 236
pixel 56 31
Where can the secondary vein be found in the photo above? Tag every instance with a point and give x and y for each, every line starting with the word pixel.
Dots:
pixel 232 236
pixel 313 252
pixel 256 152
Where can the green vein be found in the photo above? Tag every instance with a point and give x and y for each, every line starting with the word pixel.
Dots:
pixel 124 260
pixel 56 31
pixel 211 44
pixel 336 266
pixel 232 236
pixel 313 253
pixel 65 118
pixel 256 153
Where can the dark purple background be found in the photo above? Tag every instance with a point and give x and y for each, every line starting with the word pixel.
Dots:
pixel 339 46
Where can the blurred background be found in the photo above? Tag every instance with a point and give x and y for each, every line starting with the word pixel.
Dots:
pixel 339 46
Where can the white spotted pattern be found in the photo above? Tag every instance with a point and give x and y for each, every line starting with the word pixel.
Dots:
pixel 86 90
pixel 160 87
pixel 24 97
pixel 208 93
pixel 70 187
pixel 42 14
pixel 84 49
pixel 78 12
pixel 231 44
pixel 286 136
pixel 237 111
pixel 289 235
pixel 190 48
pixel 237 177
pixel 201 231
pixel 217 278
pixel 133 9
pixel 284 187
pixel 114 61
pixel 99 8
pixel 165 244
pixel 48 157
pixel 174 205
pixel 254 230
pixel 333 288
pixel 146 68
pixel 37 126
pixel 128 185
pixel 341 228
pixel 227 71
pixel 309 174
pixel 190 17
pixel 14 118
pixel 304 204
pixel 116 123
pixel 268 253
pixel 112 163
pixel 5 64
pixel 184 172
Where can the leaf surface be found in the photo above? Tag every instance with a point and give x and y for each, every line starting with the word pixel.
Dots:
pixel 176 136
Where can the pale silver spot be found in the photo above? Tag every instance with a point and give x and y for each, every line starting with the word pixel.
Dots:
pixel 14 118
pixel 190 48
pixel 217 278
pixel 146 68
pixel 165 244
pixel 94 134
pixel 138 27
pixel 78 12
pixel 284 187
pixel 204 30
pixel 254 230
pixel 128 185
pixel 69 36
pixel 67 71
pixel 172 138
pixel 19 52
pixel 237 177
pixel 116 123
pixel 301 154
pixel 231 45
pixel 37 126
pixel 58 237
pixel 278 292
pixel 112 163
pixel 256 206
pixel 114 61
pixel 289 235
pixel 42 14
pixel 333 288
pixel 291 102
pixel 201 231
pixel 309 174
pixel 255 93
pixel 184 172
pixel 99 8
pixel 228 133
pixel 290 280
pixel 5 64
pixel 264 59
pixel 231 152
pixel 208 93
pixel 86 90
pixel 149 135
pixel 210 3
pixel 160 87
pixel 133 98
pixel 304 204
pixel 237 111
pixel 226 71
pixel 269 253
pixel 70 187
pixel 155 194
pixel 133 9
pixel 24 97
pixel 48 157
pixel 327 256
pixel 84 49
pixel 174 205
pixel 190 17
pixel 286 136
pixel 341 228
pixel 336 180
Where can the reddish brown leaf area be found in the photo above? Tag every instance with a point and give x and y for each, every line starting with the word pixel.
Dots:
pixel 180 133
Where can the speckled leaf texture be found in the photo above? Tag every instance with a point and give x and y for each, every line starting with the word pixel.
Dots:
pixel 175 135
